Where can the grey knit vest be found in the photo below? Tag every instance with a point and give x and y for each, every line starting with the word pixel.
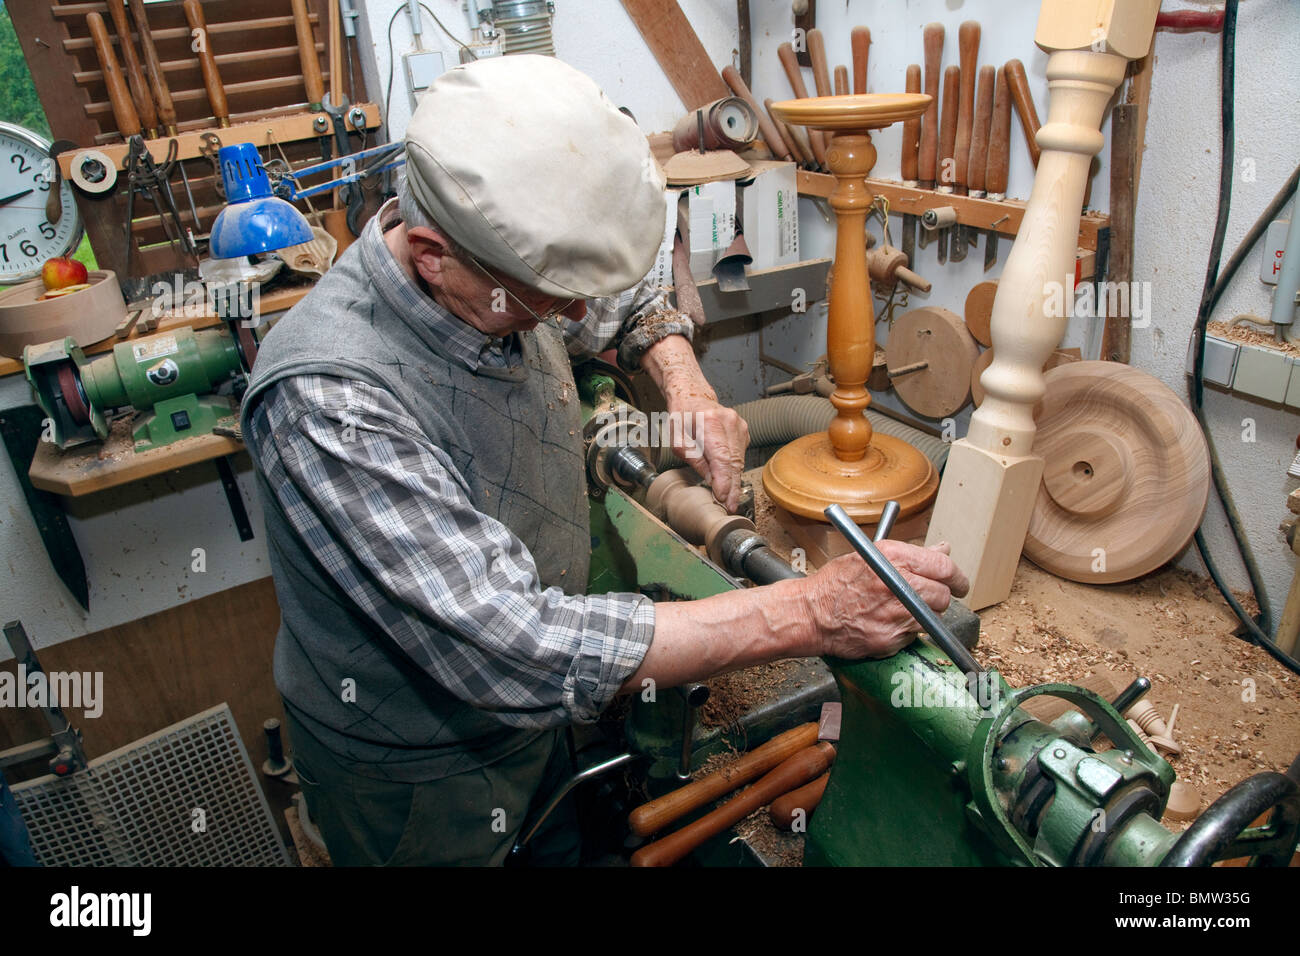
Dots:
pixel 519 450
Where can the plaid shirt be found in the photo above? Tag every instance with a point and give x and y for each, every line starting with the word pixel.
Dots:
pixel 389 516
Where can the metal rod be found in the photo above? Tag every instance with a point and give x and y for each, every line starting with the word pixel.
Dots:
pixel 1130 695
pixel 887 518
pixel 613 763
pixel 899 587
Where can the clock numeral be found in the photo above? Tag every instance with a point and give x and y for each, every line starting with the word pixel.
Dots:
pixel 22 163
pixel 47 230
pixel 28 248
pixel 4 250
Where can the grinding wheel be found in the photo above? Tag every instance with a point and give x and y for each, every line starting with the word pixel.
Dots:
pixel 1126 474
pixel 73 398
pixel 939 338
pixel 979 311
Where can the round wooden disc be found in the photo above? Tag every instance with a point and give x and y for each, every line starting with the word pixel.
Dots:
pixel 938 337
pixel 1126 474
pixel 979 311
pixel 976 389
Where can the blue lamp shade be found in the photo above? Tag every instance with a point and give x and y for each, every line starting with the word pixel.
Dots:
pixel 254 220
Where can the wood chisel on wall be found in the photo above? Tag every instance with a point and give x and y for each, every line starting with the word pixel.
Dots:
pixel 948 145
pixel 968 43
pixel 996 170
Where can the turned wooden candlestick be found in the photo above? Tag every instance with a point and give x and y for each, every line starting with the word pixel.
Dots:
pixel 848 465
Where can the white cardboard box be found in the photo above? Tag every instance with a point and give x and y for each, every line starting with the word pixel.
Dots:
pixel 770 214
pixel 712 223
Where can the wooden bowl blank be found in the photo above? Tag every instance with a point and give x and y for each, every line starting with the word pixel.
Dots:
pixel 87 316
pixel 1126 474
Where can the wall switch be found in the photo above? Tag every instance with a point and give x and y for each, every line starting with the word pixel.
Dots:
pixel 422 68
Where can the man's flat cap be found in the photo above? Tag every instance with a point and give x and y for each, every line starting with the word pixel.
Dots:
pixel 526 163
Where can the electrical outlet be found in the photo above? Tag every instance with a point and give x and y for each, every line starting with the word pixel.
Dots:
pixel 1264 373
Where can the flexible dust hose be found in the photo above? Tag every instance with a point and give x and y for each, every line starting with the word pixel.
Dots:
pixel 783 418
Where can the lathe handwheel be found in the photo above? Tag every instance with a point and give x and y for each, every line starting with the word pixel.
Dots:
pixel 1224 831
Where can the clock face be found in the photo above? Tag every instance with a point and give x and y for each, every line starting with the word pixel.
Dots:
pixel 27 237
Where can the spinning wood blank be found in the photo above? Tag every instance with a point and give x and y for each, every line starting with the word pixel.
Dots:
pixel 939 338
pixel 1125 471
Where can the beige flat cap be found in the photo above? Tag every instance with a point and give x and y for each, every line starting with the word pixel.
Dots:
pixel 526 163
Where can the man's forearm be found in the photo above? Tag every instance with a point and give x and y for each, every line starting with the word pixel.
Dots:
pixel 671 363
pixel 698 639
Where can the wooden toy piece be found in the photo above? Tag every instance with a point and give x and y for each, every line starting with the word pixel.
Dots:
pixel 847 465
pixel 1184 802
pixel 1126 473
pixel 992 475
pixel 938 339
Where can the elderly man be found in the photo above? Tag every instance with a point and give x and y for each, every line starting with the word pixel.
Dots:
pixel 415 427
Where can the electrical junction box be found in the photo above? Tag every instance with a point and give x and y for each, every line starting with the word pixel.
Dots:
pixel 1220 360
pixel 1263 373
pixel 422 68
pixel 1293 390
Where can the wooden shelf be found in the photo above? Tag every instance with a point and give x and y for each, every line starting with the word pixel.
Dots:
pixel 768 289
pixel 1002 215
pixel 267 131
pixel 270 303
pixel 97 466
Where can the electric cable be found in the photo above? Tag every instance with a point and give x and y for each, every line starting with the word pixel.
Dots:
pixel 1255 632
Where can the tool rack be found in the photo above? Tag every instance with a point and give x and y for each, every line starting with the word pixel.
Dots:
pixel 256 52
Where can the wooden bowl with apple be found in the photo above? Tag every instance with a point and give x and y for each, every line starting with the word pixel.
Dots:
pixel 66 300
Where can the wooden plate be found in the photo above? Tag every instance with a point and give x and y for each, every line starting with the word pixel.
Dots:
pixel 857 111
pixel 938 337
pixel 87 316
pixel 1126 475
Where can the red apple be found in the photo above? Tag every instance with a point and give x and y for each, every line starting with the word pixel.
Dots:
pixel 60 272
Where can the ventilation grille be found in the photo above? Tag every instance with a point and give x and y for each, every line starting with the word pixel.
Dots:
pixel 185 796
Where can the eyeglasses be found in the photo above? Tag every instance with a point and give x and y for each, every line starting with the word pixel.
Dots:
pixel 550 314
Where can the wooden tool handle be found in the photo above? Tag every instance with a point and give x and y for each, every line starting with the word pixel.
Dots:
pixel 162 97
pixel 968 45
pixel 128 121
pixel 860 41
pixel 785 53
pixel 793 772
pixel 933 37
pixel 134 73
pixel 793 148
pixel 660 812
pixel 208 63
pixel 307 54
pixel 995 177
pixel 979 134
pixel 948 127
pixel 912 132
pixel 1019 84
pixel 841 83
pixel 771 135
pixel 806 798
pixel 817 54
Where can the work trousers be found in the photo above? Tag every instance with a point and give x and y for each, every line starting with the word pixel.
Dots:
pixel 467 819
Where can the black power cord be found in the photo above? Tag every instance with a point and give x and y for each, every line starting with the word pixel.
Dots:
pixel 1255 632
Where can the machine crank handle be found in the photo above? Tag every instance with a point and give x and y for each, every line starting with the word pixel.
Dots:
pixel 898 586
